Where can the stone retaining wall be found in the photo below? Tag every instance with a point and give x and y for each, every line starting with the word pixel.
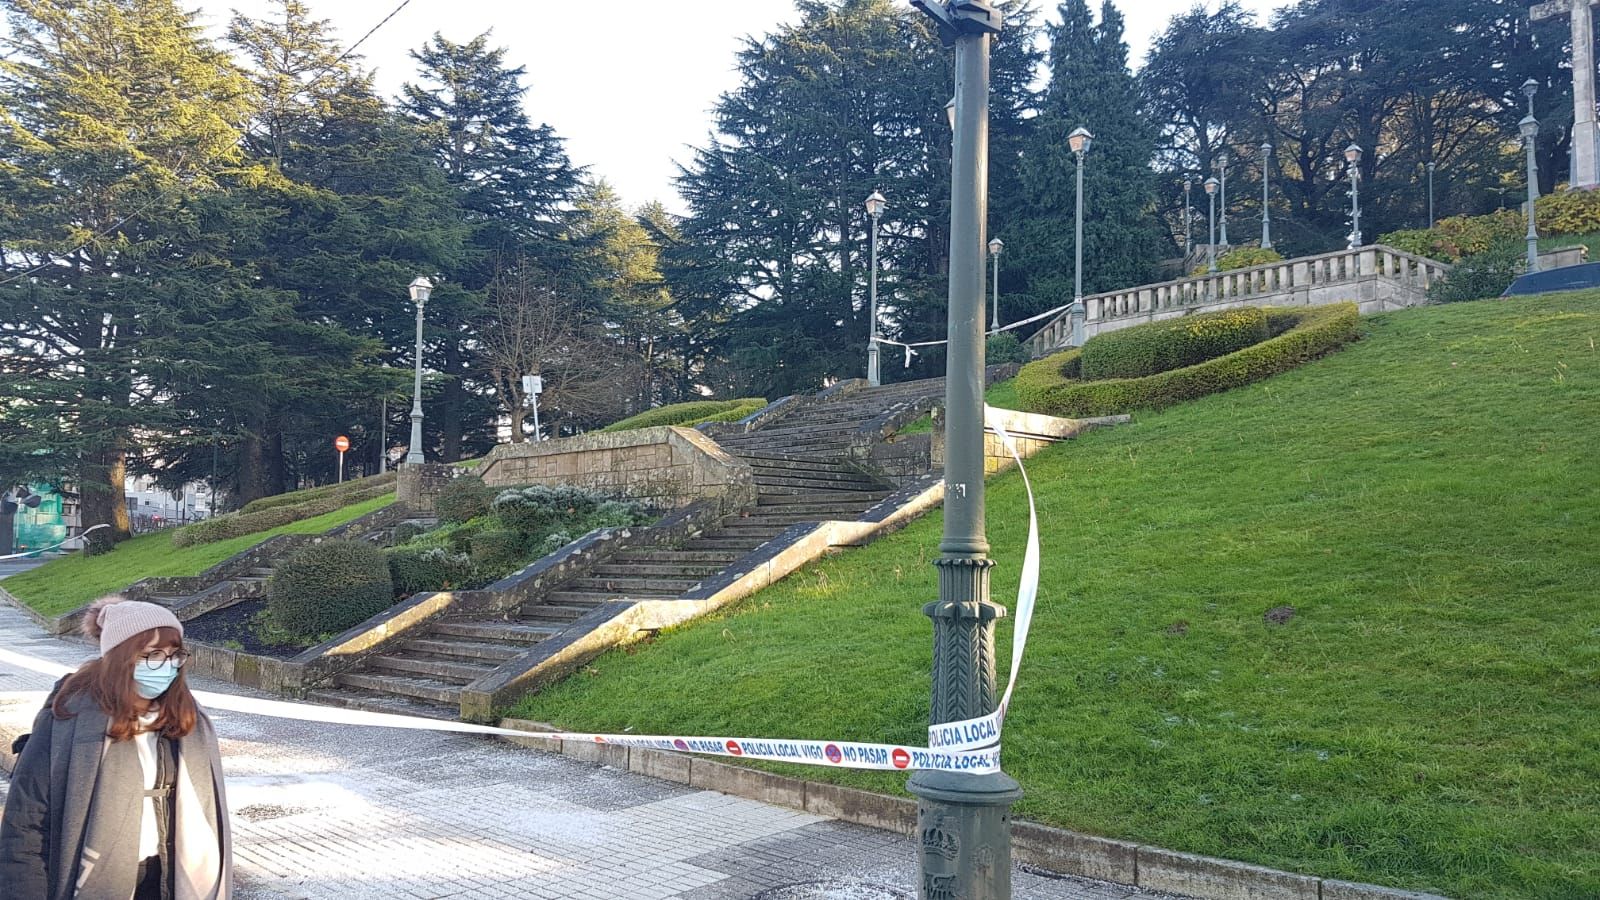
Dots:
pixel 665 467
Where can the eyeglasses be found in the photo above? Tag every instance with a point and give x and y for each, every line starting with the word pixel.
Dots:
pixel 155 658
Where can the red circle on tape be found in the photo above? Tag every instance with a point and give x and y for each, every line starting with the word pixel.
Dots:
pixel 735 749
pixel 901 758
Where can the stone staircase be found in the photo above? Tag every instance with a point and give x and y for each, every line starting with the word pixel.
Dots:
pixel 802 474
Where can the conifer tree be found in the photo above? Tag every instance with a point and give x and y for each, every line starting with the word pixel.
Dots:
pixel 102 151
pixel 1090 86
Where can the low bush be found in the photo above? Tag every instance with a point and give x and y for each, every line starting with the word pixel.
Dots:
pixel 406 532
pixel 1568 212
pixel 499 549
pixel 465 498
pixel 1172 343
pixel 689 414
pixel 1482 275
pixel 537 509
pixel 1051 386
pixel 1005 348
pixel 414 569
pixel 1459 237
pixel 232 525
pixel 328 587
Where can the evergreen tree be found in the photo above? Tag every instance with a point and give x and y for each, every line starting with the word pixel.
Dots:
pixel 1090 86
pixel 514 179
pixel 102 151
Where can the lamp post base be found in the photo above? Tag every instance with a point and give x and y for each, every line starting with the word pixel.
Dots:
pixel 963 834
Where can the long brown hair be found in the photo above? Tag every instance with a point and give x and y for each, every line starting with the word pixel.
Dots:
pixel 108 680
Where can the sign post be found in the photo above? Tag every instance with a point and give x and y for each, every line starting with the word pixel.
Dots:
pixel 341 444
pixel 533 386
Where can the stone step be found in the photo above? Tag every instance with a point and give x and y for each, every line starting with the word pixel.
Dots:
pixel 579 598
pixel 817 474
pixel 779 521
pixel 668 570
pixel 262 571
pixel 553 612
pixel 792 437
pixel 493 631
pixel 439 669
pixel 429 689
pixel 384 703
pixel 456 649
pixel 780 461
pixel 773 483
pixel 714 542
pixel 675 557
pixel 824 510
pixel 820 497
pixel 642 586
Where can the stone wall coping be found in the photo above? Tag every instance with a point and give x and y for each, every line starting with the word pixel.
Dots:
pixel 1055 849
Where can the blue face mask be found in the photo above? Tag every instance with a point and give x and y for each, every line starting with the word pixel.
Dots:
pixel 152 683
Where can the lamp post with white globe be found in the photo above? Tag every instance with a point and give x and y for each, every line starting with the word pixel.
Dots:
pixel 1079 142
pixel 1352 156
pixel 421 289
pixel 875 205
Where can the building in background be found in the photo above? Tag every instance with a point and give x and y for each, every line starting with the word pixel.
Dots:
pixel 151 507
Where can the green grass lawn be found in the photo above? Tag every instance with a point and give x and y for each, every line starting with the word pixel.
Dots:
pixel 64 584
pixel 1428 501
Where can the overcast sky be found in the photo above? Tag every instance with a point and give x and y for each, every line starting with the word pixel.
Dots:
pixel 628 83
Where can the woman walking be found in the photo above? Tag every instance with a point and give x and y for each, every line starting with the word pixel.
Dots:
pixel 117 794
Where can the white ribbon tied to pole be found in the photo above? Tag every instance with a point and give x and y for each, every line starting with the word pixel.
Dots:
pixel 53 546
pixel 984 731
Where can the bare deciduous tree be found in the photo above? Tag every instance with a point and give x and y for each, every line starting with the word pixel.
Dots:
pixel 533 329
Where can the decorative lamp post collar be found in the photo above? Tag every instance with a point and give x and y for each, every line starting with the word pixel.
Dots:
pixel 421 290
pixel 1080 140
pixel 1530 127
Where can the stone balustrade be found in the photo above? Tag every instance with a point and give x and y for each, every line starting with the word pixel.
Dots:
pixel 1377 277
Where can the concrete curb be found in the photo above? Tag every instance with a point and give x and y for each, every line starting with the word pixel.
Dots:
pixel 1054 849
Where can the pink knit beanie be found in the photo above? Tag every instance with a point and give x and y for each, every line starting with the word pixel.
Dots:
pixel 113 620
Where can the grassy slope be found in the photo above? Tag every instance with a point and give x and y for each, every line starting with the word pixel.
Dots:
pixel 65 584
pixel 1426 500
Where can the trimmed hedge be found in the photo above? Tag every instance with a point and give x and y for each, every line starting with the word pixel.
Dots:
pixel 328 587
pixel 1169 344
pixel 689 414
pixel 294 498
pixel 232 525
pixel 1050 385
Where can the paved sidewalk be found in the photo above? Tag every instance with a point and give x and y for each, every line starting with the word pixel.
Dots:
pixel 322 811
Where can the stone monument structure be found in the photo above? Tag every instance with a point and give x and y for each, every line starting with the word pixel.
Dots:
pixel 1585 135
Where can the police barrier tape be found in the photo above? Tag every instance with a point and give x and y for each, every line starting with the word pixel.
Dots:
pixel 837 754
pixel 972 734
pixel 69 540
pixel 971 745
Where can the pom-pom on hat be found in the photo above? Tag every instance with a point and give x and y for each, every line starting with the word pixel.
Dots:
pixel 114 619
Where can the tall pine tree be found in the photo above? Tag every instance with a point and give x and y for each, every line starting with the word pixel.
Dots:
pixel 1090 86
pixel 102 151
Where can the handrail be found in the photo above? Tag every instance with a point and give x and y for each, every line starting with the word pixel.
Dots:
pixel 1324 269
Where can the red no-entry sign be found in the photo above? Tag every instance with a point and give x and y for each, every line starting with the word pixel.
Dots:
pixel 341 443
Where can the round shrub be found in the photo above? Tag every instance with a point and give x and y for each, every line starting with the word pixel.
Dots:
pixel 1005 348
pixel 408 531
pixel 328 587
pixel 417 569
pixel 464 498
pixel 1300 335
pixel 1172 343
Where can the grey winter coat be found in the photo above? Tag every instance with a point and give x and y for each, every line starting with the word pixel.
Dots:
pixel 48 812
